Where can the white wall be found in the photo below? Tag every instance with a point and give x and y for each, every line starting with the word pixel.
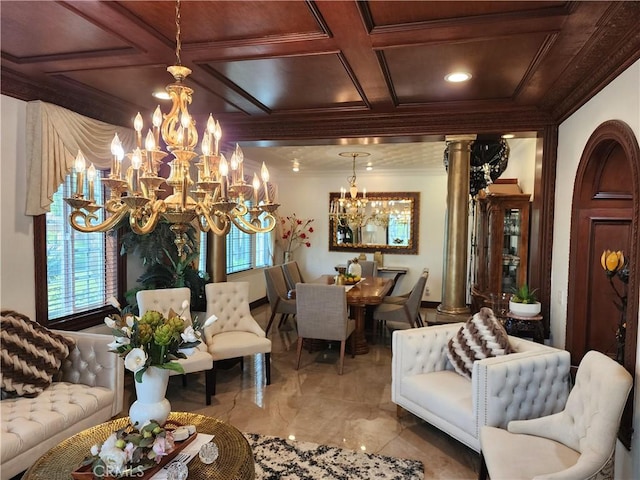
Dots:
pixel 17 284
pixel 620 100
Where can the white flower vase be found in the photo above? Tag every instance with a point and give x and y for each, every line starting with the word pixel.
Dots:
pixel 151 403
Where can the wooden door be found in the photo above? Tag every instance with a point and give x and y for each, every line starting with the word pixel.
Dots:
pixel 605 215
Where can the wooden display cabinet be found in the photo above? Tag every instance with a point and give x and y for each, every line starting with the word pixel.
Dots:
pixel 502 246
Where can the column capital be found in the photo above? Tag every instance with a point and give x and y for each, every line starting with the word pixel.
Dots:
pixel 469 137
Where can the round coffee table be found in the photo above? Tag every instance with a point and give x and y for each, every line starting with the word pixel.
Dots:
pixel 234 463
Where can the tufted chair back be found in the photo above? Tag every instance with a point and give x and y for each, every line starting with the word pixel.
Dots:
pixel 591 416
pixel 577 442
pixel 164 299
pixel 229 301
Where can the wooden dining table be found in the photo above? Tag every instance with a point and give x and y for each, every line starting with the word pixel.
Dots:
pixel 368 291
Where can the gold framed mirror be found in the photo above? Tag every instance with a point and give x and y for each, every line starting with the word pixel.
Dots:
pixel 385 222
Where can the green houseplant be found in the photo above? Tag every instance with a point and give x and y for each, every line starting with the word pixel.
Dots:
pixel 164 268
pixel 524 302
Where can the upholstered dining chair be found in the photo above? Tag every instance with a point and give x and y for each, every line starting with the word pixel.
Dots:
pixel 578 442
pixel 164 299
pixel 235 334
pixel 292 274
pixel 277 295
pixel 369 268
pixel 403 311
pixel 322 315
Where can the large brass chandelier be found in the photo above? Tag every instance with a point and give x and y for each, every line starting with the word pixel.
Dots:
pixel 221 193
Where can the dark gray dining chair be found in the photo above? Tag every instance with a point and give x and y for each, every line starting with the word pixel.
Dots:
pixel 292 274
pixel 403 311
pixel 369 268
pixel 277 295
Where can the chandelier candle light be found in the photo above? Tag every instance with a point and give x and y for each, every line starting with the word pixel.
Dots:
pixel 221 193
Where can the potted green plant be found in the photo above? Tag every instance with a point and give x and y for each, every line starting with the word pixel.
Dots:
pixel 164 268
pixel 524 302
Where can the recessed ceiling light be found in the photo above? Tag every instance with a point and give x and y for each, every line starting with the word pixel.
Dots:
pixel 457 77
pixel 369 167
pixel 161 95
pixel 508 135
pixel 296 166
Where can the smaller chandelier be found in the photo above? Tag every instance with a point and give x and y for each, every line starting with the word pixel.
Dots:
pixel 221 196
pixel 351 210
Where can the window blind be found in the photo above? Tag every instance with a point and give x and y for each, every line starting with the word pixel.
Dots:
pixel 81 267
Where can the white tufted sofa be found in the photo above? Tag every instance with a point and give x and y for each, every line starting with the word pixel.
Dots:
pixel 530 383
pixel 90 392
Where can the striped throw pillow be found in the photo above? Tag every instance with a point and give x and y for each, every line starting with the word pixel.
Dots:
pixel 30 354
pixel 483 336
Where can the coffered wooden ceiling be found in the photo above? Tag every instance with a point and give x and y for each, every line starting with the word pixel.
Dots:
pixel 300 70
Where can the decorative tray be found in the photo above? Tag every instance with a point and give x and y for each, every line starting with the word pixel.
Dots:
pixel 85 473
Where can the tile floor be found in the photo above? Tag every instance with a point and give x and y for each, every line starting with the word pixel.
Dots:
pixel 315 404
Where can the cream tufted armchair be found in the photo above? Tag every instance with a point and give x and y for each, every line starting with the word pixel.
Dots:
pixel 164 299
pixel 530 383
pixel 578 442
pixel 235 334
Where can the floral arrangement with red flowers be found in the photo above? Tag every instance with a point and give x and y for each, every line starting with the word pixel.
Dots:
pixel 295 232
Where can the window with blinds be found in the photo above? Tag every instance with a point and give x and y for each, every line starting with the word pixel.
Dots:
pixel 81 267
pixel 245 251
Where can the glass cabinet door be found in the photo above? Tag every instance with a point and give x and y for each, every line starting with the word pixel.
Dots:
pixel 511 246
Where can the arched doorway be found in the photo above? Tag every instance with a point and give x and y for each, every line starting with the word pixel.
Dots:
pixel 605 215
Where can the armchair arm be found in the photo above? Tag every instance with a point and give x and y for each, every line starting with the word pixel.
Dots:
pixel 588 466
pixel 524 385
pixel 421 350
pixel 91 363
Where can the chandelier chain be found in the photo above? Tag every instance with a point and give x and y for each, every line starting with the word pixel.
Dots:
pixel 352 179
pixel 178 42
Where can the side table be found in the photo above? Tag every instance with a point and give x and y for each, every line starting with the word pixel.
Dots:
pixel 234 463
pixel 516 325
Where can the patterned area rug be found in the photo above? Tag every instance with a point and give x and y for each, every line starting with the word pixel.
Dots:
pixel 280 459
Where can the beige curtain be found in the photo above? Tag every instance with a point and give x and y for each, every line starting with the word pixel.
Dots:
pixel 54 136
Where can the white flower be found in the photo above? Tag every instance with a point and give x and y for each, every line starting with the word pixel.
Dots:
pixel 126 331
pixel 110 322
pixel 113 301
pixel 110 442
pixel 210 321
pixel 114 460
pixel 128 450
pixel 95 449
pixel 135 359
pixel 189 335
pixel 185 305
pixel 113 345
pixel 131 320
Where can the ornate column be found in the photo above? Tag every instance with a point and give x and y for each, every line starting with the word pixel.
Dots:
pixel 454 307
pixel 219 258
